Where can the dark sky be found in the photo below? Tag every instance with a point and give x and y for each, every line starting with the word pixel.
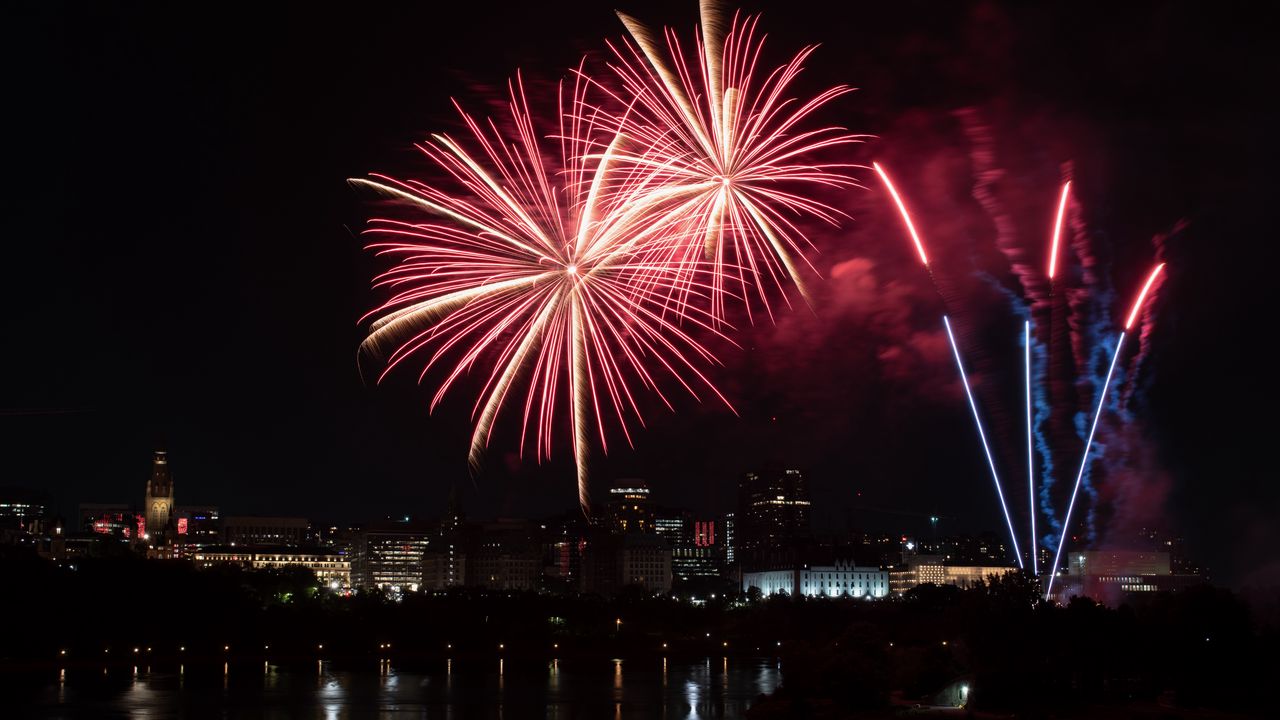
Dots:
pixel 182 267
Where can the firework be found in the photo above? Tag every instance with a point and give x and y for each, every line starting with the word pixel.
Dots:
pixel 1057 228
pixel 955 351
pixel 724 148
pixel 1031 456
pixel 902 209
pixel 982 435
pixel 1093 427
pixel 524 272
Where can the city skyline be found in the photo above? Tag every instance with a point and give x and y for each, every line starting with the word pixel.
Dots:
pixel 180 346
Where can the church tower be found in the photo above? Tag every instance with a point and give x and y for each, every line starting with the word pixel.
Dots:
pixel 159 499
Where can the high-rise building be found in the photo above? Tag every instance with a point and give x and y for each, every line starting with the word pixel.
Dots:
pixel 730 524
pixel 158 502
pixel 628 507
pixel 772 519
pixel 696 549
pixel 389 555
pixel 670 524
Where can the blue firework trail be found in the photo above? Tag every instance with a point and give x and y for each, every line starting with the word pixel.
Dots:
pixel 1042 411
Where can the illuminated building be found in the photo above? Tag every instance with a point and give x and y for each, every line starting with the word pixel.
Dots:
pixel 696 550
pixel 196 527
pixel 23 510
pixel 251 530
pixel 158 501
pixel 839 580
pixel 389 555
pixel 933 569
pixel 772 519
pixel 628 507
pixel 729 523
pixel 116 520
pixel 331 568
pixel 669 524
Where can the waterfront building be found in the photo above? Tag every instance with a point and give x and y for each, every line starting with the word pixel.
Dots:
pixel 842 579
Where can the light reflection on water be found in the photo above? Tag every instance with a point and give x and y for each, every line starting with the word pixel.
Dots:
pixel 619 688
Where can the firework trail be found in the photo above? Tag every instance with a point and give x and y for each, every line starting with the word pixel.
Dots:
pixel 902 209
pixel 1057 229
pixel 725 147
pixel 977 419
pixel 1043 391
pixel 1093 427
pixel 1148 319
pixel 1089 326
pixel 528 272
pixel 1036 303
pixel 955 349
pixel 1031 456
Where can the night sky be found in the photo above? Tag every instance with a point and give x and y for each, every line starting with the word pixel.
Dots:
pixel 183 269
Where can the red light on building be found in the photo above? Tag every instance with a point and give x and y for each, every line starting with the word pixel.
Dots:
pixel 142 526
pixel 704 533
pixel 182 526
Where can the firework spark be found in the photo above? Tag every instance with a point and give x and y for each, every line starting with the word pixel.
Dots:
pixel 725 149
pixel 531 273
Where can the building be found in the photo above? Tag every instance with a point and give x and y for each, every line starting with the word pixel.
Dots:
pixel 116 520
pixel 612 562
pixel 729 523
pixel 504 556
pixel 983 549
pixel 330 567
pixel 444 565
pixel 670 524
pixel 157 505
pixel 389 556
pixel 196 527
pixel 628 507
pixel 772 521
pixel 697 552
pixel 564 539
pixel 842 579
pixel 934 570
pixel 24 510
pixel 198 524
pixel 1109 576
pixel 646 563
pixel 254 530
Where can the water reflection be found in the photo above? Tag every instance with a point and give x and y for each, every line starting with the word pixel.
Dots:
pixel 718 687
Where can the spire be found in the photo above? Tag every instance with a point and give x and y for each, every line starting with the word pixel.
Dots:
pixel 158 504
